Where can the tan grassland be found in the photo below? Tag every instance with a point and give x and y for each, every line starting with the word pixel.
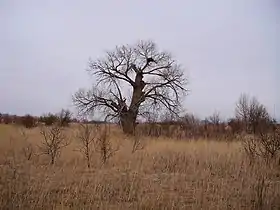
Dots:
pixel 165 174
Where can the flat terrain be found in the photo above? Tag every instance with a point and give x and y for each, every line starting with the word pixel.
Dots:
pixel 166 174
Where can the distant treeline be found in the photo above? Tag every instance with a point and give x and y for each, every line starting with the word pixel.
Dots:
pixel 250 118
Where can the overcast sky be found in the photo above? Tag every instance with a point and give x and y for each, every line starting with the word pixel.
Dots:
pixel 226 46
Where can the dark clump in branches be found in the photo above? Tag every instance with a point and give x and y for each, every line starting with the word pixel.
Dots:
pixel 132 81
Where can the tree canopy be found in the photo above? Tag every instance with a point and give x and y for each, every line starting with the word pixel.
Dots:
pixel 131 81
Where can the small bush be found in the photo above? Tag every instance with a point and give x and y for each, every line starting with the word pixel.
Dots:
pixel 64 117
pixel 28 121
pixel 54 140
pixel 104 146
pixel 49 119
pixel 87 136
pixel 7 119
pixel 265 145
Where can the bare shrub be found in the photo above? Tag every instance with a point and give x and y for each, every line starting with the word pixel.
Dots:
pixel 265 145
pixel 28 149
pixel 48 119
pixel 191 125
pixel 214 127
pixel 54 140
pixel 270 144
pixel 235 125
pixel 28 121
pixel 64 117
pixel 250 148
pixel 87 135
pixel 7 119
pixel 104 146
pixel 215 118
pixel 150 129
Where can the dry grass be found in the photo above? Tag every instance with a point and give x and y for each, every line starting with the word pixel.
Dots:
pixel 166 174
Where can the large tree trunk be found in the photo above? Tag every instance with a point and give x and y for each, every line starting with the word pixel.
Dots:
pixel 128 117
pixel 128 122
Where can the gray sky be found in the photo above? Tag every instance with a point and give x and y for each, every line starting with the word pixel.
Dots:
pixel 227 47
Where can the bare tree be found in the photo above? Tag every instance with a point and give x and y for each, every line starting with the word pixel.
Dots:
pixel 242 109
pixel 215 118
pixel 64 117
pixel 191 120
pixel 259 118
pixel 191 125
pixel 152 79
pixel 252 114
pixel 54 140
pixel 87 135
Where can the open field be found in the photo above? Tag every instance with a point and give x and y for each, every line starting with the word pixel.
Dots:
pixel 166 174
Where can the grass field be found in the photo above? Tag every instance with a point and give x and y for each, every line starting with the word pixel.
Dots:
pixel 166 174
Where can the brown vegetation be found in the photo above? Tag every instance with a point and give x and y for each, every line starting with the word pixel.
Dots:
pixel 195 174
pixel 64 117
